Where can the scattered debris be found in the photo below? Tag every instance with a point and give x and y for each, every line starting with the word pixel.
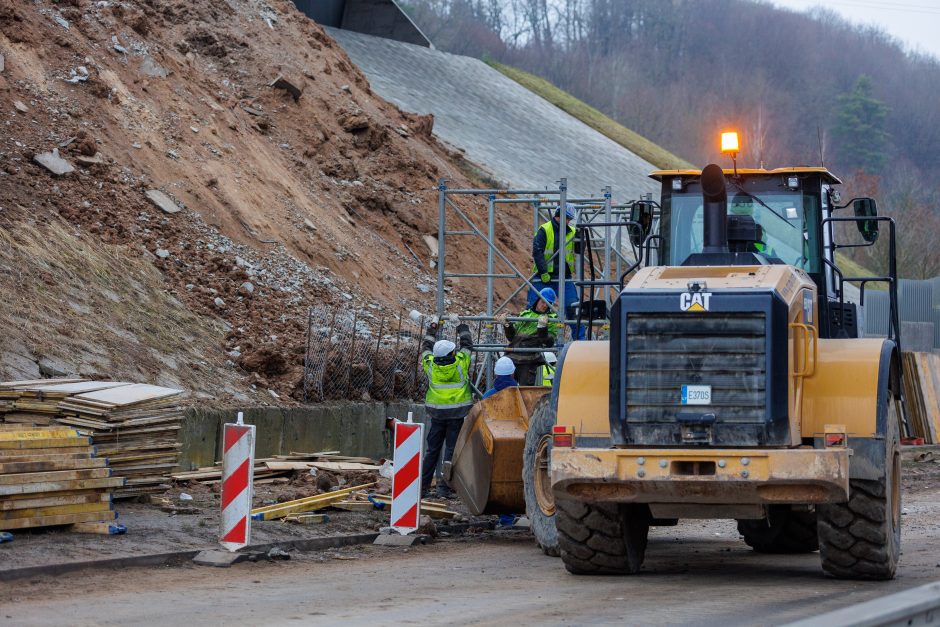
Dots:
pixel 116 44
pixel 53 162
pixel 162 201
pixel 162 253
pixel 78 75
pixel 19 106
pixel 61 21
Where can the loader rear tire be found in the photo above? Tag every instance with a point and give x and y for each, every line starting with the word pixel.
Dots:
pixel 602 538
pixel 536 483
pixel 785 530
pixel 861 539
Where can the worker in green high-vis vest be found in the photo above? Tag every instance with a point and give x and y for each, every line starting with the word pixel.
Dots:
pixel 551 235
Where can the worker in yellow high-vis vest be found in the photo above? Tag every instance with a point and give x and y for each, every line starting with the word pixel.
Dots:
pixel 449 397
pixel 550 236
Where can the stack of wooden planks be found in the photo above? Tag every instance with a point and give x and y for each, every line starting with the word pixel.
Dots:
pixel 134 425
pixel 280 467
pixel 52 476
pixel 922 395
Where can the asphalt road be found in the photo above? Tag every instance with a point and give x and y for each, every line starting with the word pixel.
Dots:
pixel 697 573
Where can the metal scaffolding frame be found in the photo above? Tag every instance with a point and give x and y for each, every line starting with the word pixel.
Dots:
pixel 599 223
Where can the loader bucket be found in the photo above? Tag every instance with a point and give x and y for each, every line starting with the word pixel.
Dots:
pixel 486 470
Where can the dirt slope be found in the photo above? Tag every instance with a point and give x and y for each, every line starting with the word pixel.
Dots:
pixel 284 202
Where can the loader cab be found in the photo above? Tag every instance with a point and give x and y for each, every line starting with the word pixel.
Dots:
pixel 777 215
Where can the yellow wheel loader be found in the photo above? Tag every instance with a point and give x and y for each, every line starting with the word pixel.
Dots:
pixel 735 384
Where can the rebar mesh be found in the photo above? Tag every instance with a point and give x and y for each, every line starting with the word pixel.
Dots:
pixel 355 355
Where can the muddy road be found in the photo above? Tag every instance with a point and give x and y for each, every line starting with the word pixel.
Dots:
pixel 699 572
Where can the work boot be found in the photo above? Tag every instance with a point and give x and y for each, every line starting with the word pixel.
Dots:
pixel 444 491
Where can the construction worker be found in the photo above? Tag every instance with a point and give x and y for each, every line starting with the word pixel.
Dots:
pixel 538 331
pixel 546 255
pixel 504 370
pixel 546 373
pixel 448 399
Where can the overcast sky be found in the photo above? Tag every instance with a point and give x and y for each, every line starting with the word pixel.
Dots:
pixel 916 23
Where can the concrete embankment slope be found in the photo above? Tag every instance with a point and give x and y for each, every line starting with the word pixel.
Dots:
pixel 518 137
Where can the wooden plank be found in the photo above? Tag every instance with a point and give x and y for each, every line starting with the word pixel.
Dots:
pixel 332 466
pixel 44 466
pixel 61 486
pixel 931 405
pixel 50 521
pixel 26 456
pixel 97 496
pixel 307 519
pixel 128 394
pixel 307 504
pixel 31 382
pixel 37 434
pixel 48 443
pixel 355 506
pixel 54 475
pixel 55 510
pixel 933 366
pixel 79 387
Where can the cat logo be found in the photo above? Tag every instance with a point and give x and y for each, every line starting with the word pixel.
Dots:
pixel 694 301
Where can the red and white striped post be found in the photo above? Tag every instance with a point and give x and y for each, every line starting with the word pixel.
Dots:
pixel 406 482
pixel 238 470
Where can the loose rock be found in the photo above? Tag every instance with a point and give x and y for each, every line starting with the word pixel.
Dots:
pixel 162 253
pixel 292 86
pixel 219 302
pixel 162 201
pixel 149 67
pixel 53 162
pixel 19 106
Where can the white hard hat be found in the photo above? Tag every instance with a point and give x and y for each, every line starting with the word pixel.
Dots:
pixel 443 348
pixel 504 366
pixel 549 357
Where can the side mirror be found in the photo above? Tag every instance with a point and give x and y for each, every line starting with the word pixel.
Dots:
pixel 642 213
pixel 865 208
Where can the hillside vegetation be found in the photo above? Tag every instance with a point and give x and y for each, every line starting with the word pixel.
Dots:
pixel 801 88
pixel 635 143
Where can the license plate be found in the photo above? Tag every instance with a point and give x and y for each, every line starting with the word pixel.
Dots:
pixel 696 395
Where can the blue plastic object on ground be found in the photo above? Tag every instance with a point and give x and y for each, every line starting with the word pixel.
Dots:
pixel 5 536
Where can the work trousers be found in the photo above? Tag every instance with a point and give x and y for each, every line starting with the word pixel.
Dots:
pixel 570 296
pixel 442 433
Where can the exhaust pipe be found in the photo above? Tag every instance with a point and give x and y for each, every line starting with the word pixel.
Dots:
pixel 715 199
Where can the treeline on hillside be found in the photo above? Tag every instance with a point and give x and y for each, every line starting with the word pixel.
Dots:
pixel 802 89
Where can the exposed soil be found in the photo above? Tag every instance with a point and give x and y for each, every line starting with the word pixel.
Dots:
pixel 284 202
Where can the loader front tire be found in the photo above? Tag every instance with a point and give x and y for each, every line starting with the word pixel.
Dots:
pixel 602 538
pixel 536 483
pixel 861 539
pixel 785 530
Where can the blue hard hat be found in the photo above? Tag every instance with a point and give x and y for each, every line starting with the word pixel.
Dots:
pixel 548 295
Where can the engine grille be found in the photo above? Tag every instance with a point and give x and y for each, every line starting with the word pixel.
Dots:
pixel 667 351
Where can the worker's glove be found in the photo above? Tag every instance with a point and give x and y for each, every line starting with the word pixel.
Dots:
pixel 546 278
pixel 454 318
pixel 501 318
pixel 543 322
